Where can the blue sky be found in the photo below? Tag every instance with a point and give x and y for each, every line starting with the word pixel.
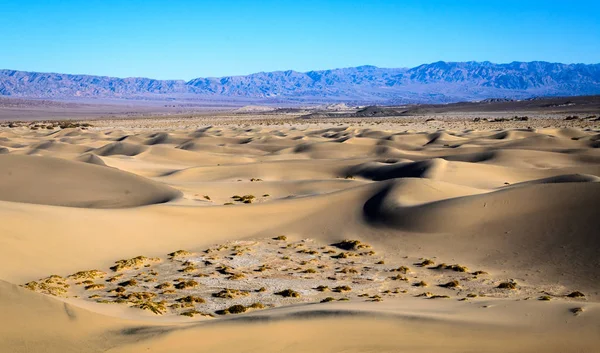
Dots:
pixel 187 39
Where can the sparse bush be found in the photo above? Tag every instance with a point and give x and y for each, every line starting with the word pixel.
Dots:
pixel 507 285
pixel 287 293
pixel 350 245
pixel 186 284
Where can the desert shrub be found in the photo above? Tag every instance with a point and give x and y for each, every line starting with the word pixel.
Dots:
pixel 340 289
pixel 328 299
pixel 341 255
pixel 507 285
pixel 288 293
pixel 457 268
pixel 280 237
pixel 94 287
pixel 426 262
pixel 420 284
pixel 477 273
pixel 399 278
pixel 451 284
pixel 139 296
pixel 545 298
pixel 155 307
pixel 186 284
pixel 439 297
pixel 256 306
pixel 401 269
pixel 90 274
pixel 164 285
pixel 180 253
pixel 190 299
pixel 131 282
pixel 236 276
pixel 228 293
pixel 309 270
pixel 576 294
pixel 322 288
pixel 380 262
pixel 234 309
pixel 129 263
pixel 350 245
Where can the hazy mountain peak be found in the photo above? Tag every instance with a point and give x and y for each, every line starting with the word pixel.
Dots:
pixel 434 82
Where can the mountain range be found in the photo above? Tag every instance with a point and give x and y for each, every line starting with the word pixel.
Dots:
pixel 438 82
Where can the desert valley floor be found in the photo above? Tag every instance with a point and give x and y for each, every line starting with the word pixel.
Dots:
pixel 225 235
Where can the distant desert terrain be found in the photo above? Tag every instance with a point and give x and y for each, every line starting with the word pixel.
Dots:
pixel 281 231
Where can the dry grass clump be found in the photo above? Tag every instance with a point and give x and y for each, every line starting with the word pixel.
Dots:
pixel 576 294
pixel 399 278
pixel 156 307
pixel 342 255
pixel 507 285
pixel 348 270
pixel 261 290
pixel 401 269
pixel 424 294
pixel 94 296
pixel 328 299
pixel 439 297
pixel 471 295
pixel 194 312
pixel 307 251
pixel 244 199
pixel 234 309
pixel 236 276
pixel 188 269
pixel 426 262
pixel 280 237
pixel 322 288
pixel 309 270
pixel 287 293
pixel 263 268
pixel 256 306
pixel 138 296
pixel 164 285
pixel 168 291
pixel 477 273
pixel 186 284
pixel 545 298
pixel 190 299
pixel 94 287
pixel 131 282
pixel 129 263
pixel 179 253
pixel 350 245
pixel 90 274
pixel 420 284
pixel 340 289
pixel 228 293
pixel 456 267
pixel 114 278
pixel 381 262
pixel 451 284
pixel 576 311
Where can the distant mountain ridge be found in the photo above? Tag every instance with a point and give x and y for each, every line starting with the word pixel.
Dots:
pixel 437 82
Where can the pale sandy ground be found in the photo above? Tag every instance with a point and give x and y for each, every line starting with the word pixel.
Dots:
pixel 519 203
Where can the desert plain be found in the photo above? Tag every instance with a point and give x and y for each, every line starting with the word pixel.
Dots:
pixel 270 233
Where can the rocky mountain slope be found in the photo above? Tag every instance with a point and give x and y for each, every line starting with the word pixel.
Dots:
pixel 429 83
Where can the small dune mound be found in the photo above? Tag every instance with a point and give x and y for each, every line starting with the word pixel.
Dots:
pixel 432 169
pixel 120 148
pixel 59 182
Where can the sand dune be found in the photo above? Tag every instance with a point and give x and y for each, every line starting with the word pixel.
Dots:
pixel 51 181
pixel 485 207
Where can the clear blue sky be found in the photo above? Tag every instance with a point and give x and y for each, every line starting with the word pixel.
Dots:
pixel 183 39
